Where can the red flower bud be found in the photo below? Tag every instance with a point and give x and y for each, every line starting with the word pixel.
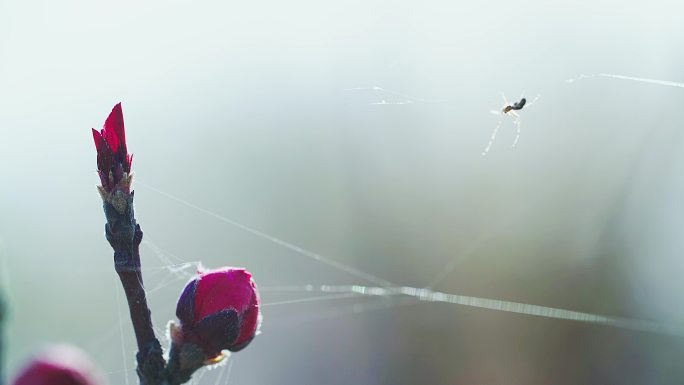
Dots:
pixel 218 310
pixel 59 365
pixel 113 159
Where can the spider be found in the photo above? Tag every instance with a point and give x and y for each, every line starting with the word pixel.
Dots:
pixel 508 109
pixel 516 106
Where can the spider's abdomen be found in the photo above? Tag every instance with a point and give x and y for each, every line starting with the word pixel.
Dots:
pixel 519 105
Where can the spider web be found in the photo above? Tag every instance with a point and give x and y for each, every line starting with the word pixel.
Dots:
pixel 248 82
pixel 368 292
pixel 383 294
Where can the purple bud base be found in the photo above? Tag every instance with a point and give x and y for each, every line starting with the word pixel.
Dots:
pixel 184 358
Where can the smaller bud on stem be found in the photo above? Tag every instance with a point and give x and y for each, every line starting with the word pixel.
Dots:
pixel 218 310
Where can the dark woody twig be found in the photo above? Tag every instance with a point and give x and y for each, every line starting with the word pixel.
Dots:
pixel 125 235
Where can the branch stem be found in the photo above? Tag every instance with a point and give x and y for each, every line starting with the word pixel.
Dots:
pixel 125 235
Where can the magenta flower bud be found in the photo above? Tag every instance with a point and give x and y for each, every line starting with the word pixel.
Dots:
pixel 218 310
pixel 60 365
pixel 113 159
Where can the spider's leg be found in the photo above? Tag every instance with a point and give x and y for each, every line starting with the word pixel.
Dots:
pixel 533 100
pixel 492 138
pixel 516 122
pixel 506 103
pixel 503 96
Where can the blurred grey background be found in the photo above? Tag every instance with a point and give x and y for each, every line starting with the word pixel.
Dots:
pixel 242 108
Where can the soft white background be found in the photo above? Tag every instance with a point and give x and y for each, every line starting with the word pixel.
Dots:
pixel 241 108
